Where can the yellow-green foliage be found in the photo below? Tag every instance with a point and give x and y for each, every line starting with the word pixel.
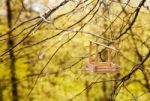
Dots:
pixel 59 53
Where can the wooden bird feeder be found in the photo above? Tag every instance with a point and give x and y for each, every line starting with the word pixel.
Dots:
pixel 101 67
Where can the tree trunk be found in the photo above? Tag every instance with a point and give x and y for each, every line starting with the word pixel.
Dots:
pixel 87 91
pixel 1 91
pixel 11 55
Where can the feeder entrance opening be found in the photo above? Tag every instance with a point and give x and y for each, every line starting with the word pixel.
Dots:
pixel 94 65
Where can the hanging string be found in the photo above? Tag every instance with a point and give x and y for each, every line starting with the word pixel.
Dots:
pixel 109 50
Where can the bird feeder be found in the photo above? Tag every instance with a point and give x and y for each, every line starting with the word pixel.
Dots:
pixel 97 66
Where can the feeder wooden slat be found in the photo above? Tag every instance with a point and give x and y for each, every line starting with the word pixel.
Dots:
pixel 103 67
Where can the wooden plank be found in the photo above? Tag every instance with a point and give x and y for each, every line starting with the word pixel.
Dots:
pixel 112 48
